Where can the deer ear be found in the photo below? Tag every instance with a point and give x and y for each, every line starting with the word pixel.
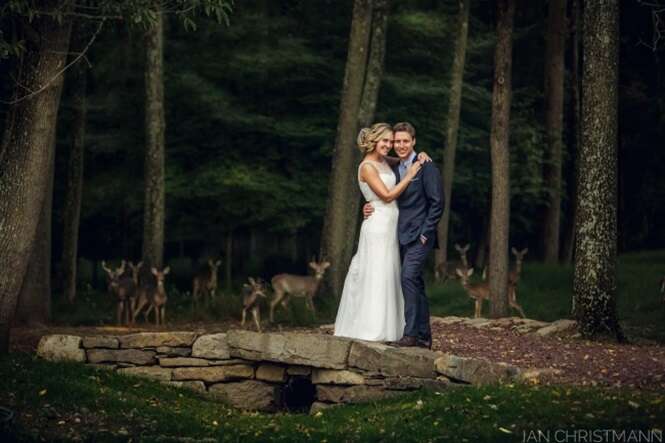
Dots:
pixel 312 265
pixel 466 247
pixel 458 271
pixel 167 270
pixel 139 264
pixel 525 250
pixel 326 264
pixel 469 272
pixel 251 280
pixel 218 262
pixel 154 271
pixel 513 250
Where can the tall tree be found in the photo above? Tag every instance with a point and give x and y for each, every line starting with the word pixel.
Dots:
pixel 452 130
pixel 26 152
pixel 153 212
pixel 500 154
pixel 594 282
pixel 568 243
pixel 77 79
pixel 343 197
pixel 555 38
pixel 34 300
pixel 375 63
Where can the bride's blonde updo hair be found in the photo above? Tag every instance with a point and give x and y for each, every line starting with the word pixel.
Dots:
pixel 368 137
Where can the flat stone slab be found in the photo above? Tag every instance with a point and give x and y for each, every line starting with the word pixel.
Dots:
pixel 273 373
pixel 389 360
pixel 156 339
pixel 61 347
pixel 174 352
pixel 476 371
pixel 100 341
pixel 211 346
pixel 557 327
pixel 173 362
pixel 250 394
pixel 154 372
pixel 134 356
pixel 321 351
pixel 214 374
pixel 337 377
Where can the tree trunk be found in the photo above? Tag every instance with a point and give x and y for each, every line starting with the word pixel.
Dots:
pixel 594 283
pixel 375 63
pixel 26 155
pixel 343 194
pixel 153 213
pixel 452 130
pixel 34 300
pixel 77 76
pixel 568 244
pixel 554 78
pixel 500 212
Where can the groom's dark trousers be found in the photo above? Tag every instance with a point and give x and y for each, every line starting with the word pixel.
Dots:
pixel 420 208
pixel 416 305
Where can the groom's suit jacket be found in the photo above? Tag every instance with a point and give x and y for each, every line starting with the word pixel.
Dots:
pixel 420 205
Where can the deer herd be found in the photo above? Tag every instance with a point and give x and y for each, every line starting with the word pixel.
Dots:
pixel 140 289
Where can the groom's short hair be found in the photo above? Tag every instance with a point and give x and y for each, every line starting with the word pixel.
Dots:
pixel 405 127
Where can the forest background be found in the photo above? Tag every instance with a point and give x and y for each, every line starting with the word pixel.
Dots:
pixel 251 110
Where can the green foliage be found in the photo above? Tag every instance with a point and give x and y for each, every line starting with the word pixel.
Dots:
pixel 121 406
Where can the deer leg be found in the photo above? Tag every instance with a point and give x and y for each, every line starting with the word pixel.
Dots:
pixel 118 313
pixel 275 301
pixel 256 314
pixel 310 304
pixel 244 314
pixel 479 308
pixel 164 315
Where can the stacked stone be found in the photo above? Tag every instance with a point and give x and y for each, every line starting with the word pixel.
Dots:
pixel 250 370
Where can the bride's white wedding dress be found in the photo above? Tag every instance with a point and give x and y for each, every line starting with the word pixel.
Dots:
pixel 372 305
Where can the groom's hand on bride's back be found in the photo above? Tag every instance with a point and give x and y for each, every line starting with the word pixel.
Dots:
pixel 368 209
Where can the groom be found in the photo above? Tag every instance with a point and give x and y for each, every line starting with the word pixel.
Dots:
pixel 420 208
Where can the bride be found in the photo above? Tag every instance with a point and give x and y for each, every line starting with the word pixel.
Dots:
pixel 372 305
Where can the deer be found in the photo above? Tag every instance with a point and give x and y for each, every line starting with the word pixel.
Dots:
pixel 123 288
pixel 477 291
pixel 446 271
pixel 662 288
pixel 481 291
pixel 205 282
pixel 152 297
pixel 143 282
pixel 253 292
pixel 286 285
pixel 514 279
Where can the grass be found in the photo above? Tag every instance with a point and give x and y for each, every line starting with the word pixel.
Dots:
pixel 50 398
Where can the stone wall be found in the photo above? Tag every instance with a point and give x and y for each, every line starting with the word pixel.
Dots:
pixel 259 371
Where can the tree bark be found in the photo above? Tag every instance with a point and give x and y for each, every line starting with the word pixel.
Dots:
pixel 594 282
pixel 34 300
pixel 375 63
pixel 26 155
pixel 452 130
pixel 343 194
pixel 77 77
pixel 153 213
pixel 554 79
pixel 499 145
pixel 568 243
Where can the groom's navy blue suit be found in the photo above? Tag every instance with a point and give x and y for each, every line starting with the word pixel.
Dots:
pixel 420 208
